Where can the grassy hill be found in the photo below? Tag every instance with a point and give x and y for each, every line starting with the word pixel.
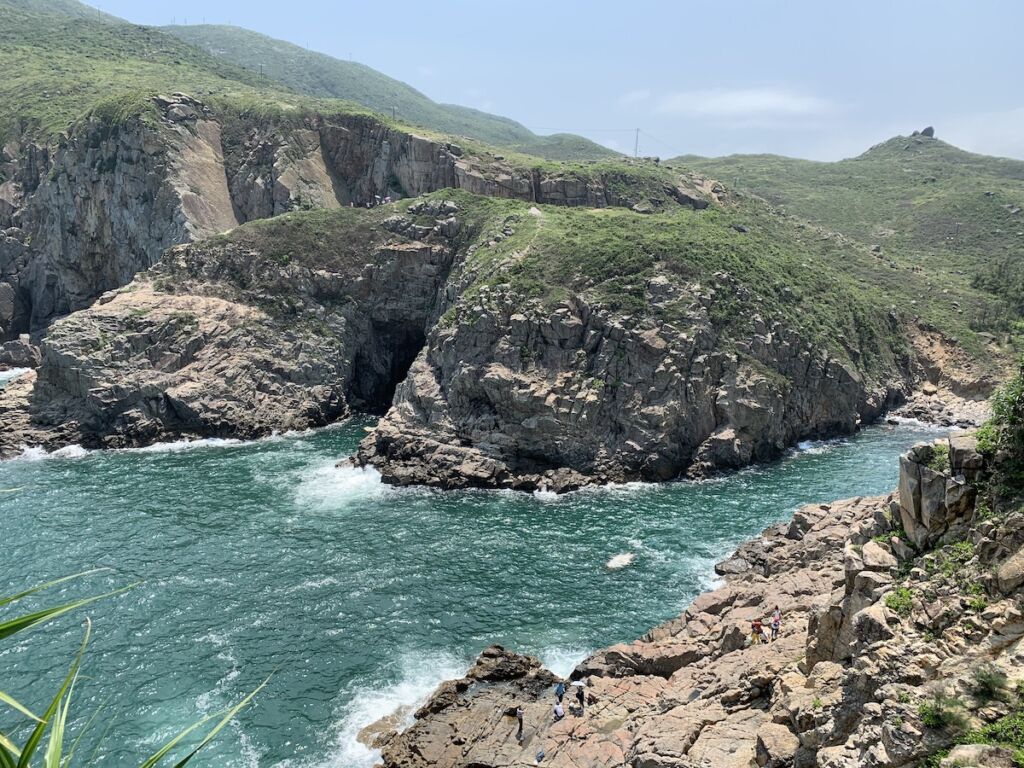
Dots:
pixel 316 74
pixel 919 201
pixel 57 65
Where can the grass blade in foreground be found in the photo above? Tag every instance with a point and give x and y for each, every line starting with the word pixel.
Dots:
pixel 37 733
pixel 228 717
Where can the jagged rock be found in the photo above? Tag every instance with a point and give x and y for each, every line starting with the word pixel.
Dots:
pixel 928 132
pixel 19 354
pixel 932 504
pixel 776 746
pixel 978 756
pixel 1011 573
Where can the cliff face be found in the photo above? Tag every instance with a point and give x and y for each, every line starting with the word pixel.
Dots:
pixel 412 311
pixel 223 340
pixel 887 655
pixel 85 216
pixel 513 396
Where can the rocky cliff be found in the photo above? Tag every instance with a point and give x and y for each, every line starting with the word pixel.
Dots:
pixel 122 185
pixel 508 345
pixel 902 637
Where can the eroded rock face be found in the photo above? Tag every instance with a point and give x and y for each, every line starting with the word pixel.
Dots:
pixel 937 502
pixel 103 204
pixel 509 395
pixel 222 340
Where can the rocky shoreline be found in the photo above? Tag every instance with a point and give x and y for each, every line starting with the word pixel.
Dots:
pixel 890 605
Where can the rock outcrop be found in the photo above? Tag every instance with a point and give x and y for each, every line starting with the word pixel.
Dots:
pixel 509 395
pixel 878 663
pixel 85 216
pixel 224 340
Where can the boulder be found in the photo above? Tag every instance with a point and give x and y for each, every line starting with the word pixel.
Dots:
pixel 1011 573
pixel 978 756
pixel 776 746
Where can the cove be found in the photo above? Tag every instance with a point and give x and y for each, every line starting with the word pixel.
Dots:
pixel 256 557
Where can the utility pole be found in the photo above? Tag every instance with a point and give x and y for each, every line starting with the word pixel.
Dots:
pixel 636 144
pixel 261 71
pixel 393 115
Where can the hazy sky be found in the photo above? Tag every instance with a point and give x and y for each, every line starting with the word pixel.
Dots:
pixel 818 79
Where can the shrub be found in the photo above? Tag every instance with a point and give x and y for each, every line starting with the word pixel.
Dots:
pixel 940 458
pixel 940 713
pixel 900 601
pixel 989 682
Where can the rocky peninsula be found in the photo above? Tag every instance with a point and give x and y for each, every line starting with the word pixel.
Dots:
pixel 902 637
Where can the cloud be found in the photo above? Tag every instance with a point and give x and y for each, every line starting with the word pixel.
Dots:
pixel 633 98
pixel 743 103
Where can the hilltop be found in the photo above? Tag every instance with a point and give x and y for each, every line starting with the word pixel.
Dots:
pixel 918 200
pixel 62 57
pixel 319 75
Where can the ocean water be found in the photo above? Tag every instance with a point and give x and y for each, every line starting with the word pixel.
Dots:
pixel 259 558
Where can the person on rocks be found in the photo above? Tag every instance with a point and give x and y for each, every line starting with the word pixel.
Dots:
pixel 519 719
pixel 757 634
pixel 558 711
pixel 776 623
pixel 579 696
pixel 560 691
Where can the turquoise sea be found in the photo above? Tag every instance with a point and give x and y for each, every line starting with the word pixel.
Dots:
pixel 263 557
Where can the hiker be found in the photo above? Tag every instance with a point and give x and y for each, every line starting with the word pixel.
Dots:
pixel 757 632
pixel 560 691
pixel 519 718
pixel 579 696
pixel 776 623
pixel 558 711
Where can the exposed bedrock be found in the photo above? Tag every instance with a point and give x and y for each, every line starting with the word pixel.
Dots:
pixel 223 340
pixel 507 396
pixel 102 204
pixel 881 660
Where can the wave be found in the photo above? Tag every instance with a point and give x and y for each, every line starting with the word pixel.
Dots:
pixel 370 703
pixel 329 486
pixel 562 661
pixel 37 453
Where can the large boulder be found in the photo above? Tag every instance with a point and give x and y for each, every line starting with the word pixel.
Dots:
pixel 978 756
pixel 935 504
pixel 1011 573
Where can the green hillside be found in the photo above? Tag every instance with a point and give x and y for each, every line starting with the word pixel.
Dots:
pixel 919 201
pixel 316 74
pixel 56 65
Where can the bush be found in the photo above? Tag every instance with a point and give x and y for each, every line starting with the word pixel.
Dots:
pixel 940 458
pixel 900 601
pixel 989 682
pixel 941 713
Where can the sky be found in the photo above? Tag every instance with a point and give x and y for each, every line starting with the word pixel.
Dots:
pixel 821 80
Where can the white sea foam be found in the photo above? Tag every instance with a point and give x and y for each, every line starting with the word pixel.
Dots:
pixel 620 561
pixel 330 487
pixel 176 446
pixel 543 494
pixel 37 453
pixel 562 661
pixel 420 675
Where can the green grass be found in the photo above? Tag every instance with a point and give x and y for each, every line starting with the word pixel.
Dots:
pixel 319 75
pixel 900 601
pixel 923 202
